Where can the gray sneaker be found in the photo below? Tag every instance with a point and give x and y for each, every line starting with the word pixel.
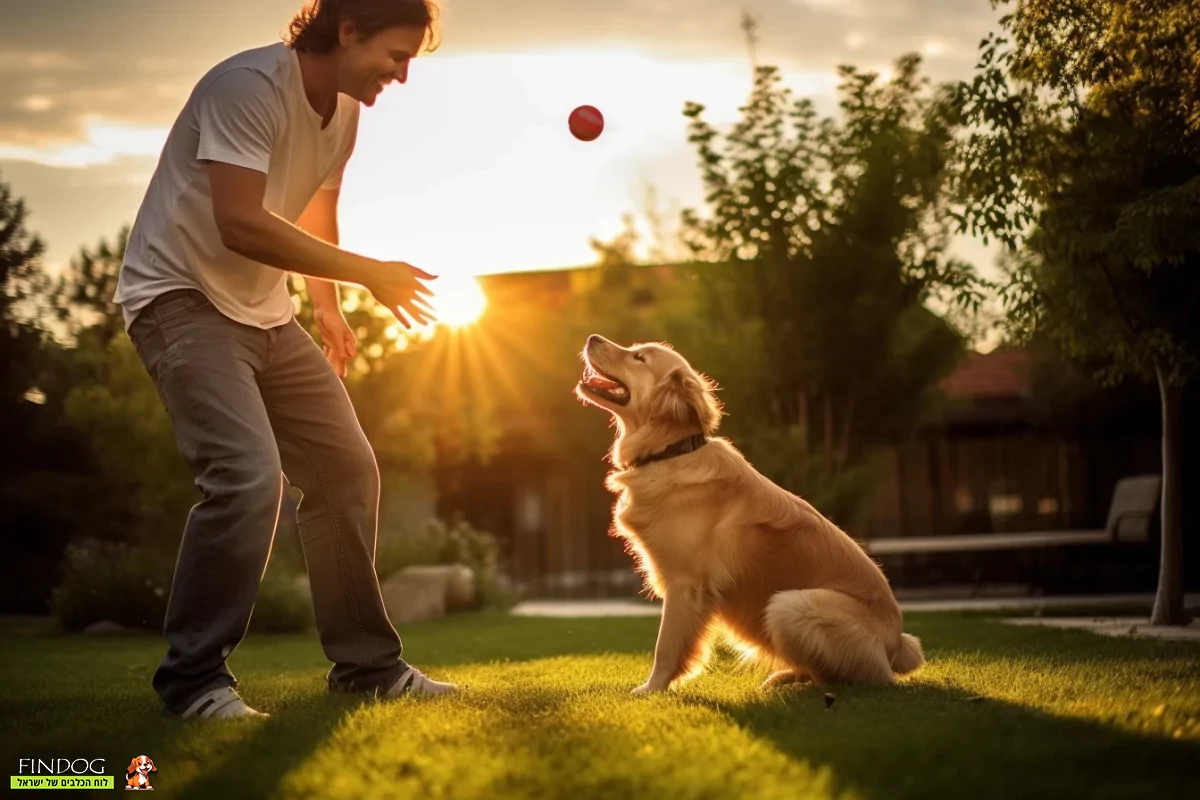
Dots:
pixel 220 703
pixel 413 681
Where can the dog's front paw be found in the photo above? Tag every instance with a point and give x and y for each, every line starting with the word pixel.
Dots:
pixel 646 688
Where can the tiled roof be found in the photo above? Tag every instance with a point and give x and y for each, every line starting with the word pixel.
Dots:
pixel 1000 374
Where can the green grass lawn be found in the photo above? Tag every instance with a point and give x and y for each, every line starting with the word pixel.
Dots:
pixel 999 711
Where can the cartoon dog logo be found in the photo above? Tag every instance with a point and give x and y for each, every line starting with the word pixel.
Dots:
pixel 137 776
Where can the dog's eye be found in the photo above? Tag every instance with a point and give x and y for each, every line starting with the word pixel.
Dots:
pixel 639 357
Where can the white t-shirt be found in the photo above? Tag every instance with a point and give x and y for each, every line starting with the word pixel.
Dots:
pixel 250 111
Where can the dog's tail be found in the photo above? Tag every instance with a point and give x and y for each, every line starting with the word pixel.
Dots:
pixel 909 655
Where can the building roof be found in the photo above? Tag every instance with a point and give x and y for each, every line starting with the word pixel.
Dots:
pixel 543 287
pixel 1002 374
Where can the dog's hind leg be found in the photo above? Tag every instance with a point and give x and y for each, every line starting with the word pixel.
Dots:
pixel 829 635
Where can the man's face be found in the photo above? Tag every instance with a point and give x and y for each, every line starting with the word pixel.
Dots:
pixel 369 65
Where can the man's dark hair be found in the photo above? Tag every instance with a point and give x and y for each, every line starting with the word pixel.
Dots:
pixel 314 29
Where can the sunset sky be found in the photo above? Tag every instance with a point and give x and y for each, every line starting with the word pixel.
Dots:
pixel 476 143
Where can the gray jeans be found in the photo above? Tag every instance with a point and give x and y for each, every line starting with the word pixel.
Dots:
pixel 249 406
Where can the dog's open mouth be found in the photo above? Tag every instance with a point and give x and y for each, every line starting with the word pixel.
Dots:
pixel 600 385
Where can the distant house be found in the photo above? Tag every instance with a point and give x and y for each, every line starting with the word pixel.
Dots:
pixel 988 464
pixel 984 464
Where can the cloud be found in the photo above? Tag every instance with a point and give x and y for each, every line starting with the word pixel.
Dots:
pixel 130 62
pixel 71 206
pixel 100 143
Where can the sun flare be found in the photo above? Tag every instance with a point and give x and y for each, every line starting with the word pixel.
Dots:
pixel 458 300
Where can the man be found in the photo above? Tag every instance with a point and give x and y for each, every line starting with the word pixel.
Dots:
pixel 246 189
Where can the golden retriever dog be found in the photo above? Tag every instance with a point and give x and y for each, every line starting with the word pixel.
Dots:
pixel 726 549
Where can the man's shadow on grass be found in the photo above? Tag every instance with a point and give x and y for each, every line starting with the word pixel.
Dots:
pixel 194 758
pixel 124 719
pixel 256 764
pixel 291 736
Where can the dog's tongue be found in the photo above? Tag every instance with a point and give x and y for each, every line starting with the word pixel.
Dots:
pixel 600 382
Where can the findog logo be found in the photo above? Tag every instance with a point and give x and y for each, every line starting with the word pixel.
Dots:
pixel 137 776
pixel 61 773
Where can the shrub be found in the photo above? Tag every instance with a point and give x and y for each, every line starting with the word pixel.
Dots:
pixel 283 605
pixel 130 585
pixel 453 542
pixel 112 581
pixel 784 457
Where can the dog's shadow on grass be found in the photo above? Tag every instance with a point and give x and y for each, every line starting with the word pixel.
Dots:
pixel 922 741
pixel 925 737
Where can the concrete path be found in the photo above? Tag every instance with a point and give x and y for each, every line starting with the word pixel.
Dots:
pixel 1133 627
pixel 1034 603
pixel 587 608
pixel 643 608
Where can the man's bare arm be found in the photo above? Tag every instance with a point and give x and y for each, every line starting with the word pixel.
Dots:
pixel 320 219
pixel 251 231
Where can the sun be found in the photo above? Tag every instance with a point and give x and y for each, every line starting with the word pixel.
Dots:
pixel 458 300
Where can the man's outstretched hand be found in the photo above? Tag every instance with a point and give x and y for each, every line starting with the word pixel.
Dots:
pixel 399 287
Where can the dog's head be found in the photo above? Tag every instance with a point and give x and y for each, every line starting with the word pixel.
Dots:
pixel 142 765
pixel 648 386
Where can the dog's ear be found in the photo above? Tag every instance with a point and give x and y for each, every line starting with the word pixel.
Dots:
pixel 686 398
pixel 132 767
pixel 150 761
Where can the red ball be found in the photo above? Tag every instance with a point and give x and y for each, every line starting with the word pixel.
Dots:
pixel 586 123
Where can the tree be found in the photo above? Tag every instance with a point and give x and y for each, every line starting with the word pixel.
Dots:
pixel 21 278
pixel 536 349
pixel 82 298
pixel 824 241
pixel 115 444
pixel 117 408
pixel 414 399
pixel 1083 159
pixel 100 389
pixel 42 474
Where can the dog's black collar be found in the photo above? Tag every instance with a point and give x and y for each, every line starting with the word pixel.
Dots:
pixel 682 447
